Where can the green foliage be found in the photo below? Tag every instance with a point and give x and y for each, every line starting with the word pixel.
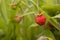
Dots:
pixel 27 29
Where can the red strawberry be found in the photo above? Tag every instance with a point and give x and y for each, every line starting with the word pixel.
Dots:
pixel 40 19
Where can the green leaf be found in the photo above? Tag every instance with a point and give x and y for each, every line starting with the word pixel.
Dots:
pixel 57 16
pixel 4 10
pixel 48 33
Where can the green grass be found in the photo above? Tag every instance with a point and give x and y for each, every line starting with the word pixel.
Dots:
pixel 27 29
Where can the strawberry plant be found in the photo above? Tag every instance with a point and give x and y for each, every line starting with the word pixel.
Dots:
pixel 29 19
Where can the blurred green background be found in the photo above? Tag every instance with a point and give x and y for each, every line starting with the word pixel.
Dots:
pixel 27 29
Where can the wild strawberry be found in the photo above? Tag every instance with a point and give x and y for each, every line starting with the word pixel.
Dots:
pixel 40 19
pixel 17 19
pixel 50 25
pixel 14 6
